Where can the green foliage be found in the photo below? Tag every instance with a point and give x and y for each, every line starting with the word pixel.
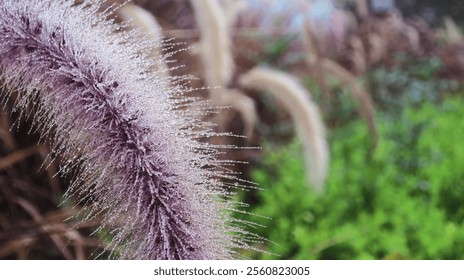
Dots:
pixel 278 47
pixel 276 52
pixel 402 201
pixel 411 84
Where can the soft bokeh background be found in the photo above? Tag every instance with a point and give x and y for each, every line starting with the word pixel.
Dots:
pixel 386 78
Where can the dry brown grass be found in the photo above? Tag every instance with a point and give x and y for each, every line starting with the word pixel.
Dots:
pixel 33 224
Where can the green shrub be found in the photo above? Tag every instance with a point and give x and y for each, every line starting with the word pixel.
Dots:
pixel 404 200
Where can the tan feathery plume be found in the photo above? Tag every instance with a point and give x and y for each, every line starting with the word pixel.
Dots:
pixel 244 105
pixel 358 55
pixel 362 7
pixel 304 112
pixel 413 37
pixel 214 45
pixel 377 48
pixel 218 63
pixel 453 34
pixel 232 8
pixel 147 24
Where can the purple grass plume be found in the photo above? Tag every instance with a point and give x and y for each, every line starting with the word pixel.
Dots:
pixel 140 161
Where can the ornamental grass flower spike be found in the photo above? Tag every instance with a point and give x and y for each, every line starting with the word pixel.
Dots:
pixel 139 160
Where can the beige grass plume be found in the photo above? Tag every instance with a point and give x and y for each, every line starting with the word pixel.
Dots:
pixel 215 47
pixel 147 24
pixel 232 9
pixel 377 48
pixel 358 55
pixel 304 112
pixel 362 7
pixel 453 34
pixel 218 64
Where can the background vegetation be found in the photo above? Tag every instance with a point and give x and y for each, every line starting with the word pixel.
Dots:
pixel 389 92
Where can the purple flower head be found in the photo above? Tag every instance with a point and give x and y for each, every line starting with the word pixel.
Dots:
pixel 135 146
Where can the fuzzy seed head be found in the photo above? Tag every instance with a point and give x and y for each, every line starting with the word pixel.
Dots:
pixel 123 128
